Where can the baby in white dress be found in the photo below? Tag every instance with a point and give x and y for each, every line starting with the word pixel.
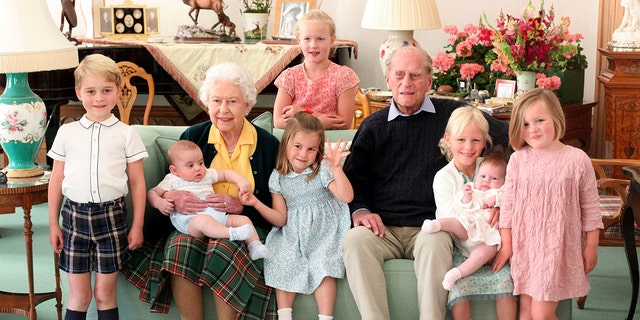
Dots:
pixel 476 239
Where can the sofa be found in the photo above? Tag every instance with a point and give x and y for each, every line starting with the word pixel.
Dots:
pixel 401 280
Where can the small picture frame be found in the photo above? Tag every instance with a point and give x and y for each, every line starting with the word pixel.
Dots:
pixel 505 88
pixel 126 21
pixel 105 18
pixel 152 20
pixel 97 17
pixel 287 14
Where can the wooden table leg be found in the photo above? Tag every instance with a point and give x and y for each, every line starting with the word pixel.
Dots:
pixel 28 239
pixel 25 192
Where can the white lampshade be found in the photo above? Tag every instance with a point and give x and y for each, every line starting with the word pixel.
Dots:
pixel 400 17
pixel 29 42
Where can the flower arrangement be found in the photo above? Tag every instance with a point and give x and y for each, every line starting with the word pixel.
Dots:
pixel 534 42
pixel 467 55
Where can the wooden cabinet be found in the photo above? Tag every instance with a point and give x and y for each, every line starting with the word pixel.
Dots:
pixel 621 82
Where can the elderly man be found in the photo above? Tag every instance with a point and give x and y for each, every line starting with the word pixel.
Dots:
pixel 393 160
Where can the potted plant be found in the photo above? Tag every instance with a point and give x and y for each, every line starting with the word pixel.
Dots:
pixel 256 6
pixel 255 16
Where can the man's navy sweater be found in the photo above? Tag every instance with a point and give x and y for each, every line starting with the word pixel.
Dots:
pixel 392 163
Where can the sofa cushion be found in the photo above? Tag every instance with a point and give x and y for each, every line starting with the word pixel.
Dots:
pixel 333 135
pixel 264 121
pixel 157 140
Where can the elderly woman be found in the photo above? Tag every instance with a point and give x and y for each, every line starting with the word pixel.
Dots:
pixel 228 141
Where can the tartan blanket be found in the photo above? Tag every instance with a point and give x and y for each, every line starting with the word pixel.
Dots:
pixel 222 265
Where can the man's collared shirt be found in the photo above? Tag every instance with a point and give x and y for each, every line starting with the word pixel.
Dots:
pixel 427 106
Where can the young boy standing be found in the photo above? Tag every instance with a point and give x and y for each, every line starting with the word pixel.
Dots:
pixel 97 161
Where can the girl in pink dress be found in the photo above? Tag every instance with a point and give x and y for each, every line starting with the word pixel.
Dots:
pixel 317 86
pixel 549 213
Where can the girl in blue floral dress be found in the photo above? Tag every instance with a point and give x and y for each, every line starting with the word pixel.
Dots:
pixel 310 217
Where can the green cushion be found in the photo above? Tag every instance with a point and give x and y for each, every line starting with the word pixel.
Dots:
pixel 264 121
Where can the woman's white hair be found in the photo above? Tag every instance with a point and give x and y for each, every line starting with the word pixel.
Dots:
pixel 232 73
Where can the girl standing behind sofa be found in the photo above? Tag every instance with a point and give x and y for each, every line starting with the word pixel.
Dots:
pixel 317 86
pixel 550 192
pixel 310 217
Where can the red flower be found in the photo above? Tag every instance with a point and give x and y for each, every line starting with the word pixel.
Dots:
pixel 529 41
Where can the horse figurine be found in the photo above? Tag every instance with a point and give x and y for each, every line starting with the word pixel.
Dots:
pixel 225 22
pixel 196 5
pixel 69 14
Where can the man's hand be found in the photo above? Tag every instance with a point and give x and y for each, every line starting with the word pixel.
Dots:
pixel 371 221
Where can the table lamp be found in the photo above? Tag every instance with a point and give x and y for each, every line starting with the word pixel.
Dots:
pixel 400 17
pixel 29 42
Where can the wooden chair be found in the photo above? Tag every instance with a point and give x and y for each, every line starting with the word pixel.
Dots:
pixel 612 186
pixel 361 113
pixel 129 92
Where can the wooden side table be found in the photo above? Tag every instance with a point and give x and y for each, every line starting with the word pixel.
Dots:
pixel 25 192
pixel 630 213
pixel 578 117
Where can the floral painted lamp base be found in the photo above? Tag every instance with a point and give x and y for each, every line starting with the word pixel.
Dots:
pixel 396 39
pixel 22 125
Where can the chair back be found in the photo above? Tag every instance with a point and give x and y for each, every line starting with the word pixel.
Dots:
pixel 366 107
pixel 129 93
pixel 612 186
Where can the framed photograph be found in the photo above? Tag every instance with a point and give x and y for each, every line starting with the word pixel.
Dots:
pixel 152 20
pixel 105 18
pixel 128 21
pixel 288 12
pixel 96 5
pixel 505 88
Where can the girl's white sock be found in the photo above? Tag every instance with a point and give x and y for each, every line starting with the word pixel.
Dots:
pixel 285 314
pixel 323 317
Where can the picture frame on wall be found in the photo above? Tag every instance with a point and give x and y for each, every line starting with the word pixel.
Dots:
pixel 287 14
